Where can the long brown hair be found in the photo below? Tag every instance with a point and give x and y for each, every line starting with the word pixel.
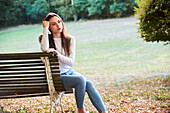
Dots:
pixel 65 39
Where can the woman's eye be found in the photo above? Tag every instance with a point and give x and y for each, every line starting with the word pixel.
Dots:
pixel 58 21
pixel 53 24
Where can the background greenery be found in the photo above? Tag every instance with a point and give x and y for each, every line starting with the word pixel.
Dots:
pixel 15 12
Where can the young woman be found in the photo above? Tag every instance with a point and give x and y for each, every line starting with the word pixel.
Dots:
pixel 55 38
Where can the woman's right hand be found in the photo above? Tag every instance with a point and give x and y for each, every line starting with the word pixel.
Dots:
pixel 45 24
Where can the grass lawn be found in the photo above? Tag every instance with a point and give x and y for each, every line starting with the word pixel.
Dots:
pixel 107 52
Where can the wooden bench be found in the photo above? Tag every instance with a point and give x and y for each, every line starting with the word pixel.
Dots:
pixel 29 75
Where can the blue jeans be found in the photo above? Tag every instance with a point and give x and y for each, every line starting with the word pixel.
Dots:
pixel 72 79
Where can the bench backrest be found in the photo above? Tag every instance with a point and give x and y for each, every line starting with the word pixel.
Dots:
pixel 24 75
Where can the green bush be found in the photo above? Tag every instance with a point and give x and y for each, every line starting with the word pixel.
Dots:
pixel 154 16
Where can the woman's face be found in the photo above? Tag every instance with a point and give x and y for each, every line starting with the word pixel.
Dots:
pixel 55 25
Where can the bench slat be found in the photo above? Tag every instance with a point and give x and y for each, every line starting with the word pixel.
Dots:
pixel 22 85
pixel 26 90
pixel 22 69
pixel 18 73
pixel 56 67
pixel 21 62
pixel 12 77
pixel 22 82
pixel 23 76
pixel 56 74
pixel 23 79
pixel 21 92
pixel 26 82
pixel 25 61
pixel 56 79
pixel 25 65
pixel 26 54
pixel 7 89
pixel 21 56
pixel 54 63
pixel 55 71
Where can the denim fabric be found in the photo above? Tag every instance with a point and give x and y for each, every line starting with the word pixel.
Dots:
pixel 72 79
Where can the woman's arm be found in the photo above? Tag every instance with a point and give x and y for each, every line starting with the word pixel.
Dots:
pixel 45 41
pixel 69 59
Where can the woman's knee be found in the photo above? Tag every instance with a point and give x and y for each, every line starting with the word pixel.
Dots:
pixel 89 84
pixel 81 79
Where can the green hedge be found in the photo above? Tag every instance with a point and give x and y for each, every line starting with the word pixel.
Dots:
pixel 154 16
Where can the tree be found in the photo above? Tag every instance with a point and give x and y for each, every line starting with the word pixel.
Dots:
pixel 81 7
pixel 121 8
pixel 130 4
pixel 64 9
pixel 7 13
pixel 118 9
pixel 23 10
pixel 99 8
pixel 154 19
pixel 39 9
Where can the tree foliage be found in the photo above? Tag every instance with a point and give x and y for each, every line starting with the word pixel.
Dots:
pixel 15 12
pixel 154 19
pixel 118 9
pixel 7 16
pixel 81 7
pixel 97 7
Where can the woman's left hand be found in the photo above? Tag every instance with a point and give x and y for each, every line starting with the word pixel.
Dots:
pixel 51 50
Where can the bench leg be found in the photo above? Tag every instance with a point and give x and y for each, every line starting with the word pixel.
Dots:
pixel 59 102
pixel 51 102
pixel 56 102
pixel 61 105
